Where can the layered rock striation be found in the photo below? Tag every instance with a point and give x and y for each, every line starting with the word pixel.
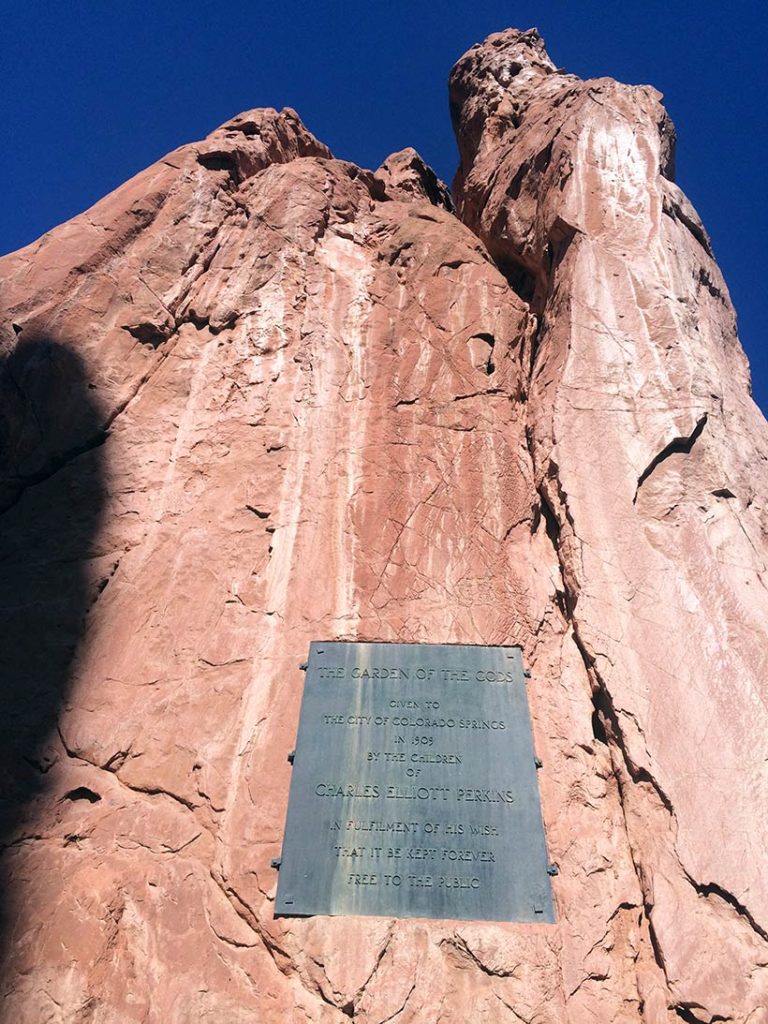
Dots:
pixel 259 396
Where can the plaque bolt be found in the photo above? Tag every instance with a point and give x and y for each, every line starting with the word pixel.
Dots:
pixel 276 862
pixel 303 667
pixel 553 870
pixel 537 761
pixel 527 673
pixel 291 757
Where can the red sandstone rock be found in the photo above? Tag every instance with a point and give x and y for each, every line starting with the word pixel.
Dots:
pixel 258 396
pixel 406 176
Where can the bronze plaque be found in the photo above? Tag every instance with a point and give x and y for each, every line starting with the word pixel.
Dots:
pixel 414 790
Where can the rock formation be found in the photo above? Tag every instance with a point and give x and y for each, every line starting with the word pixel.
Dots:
pixel 259 396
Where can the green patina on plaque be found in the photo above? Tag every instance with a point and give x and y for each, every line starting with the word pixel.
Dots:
pixel 414 789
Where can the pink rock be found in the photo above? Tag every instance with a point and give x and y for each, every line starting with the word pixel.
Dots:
pixel 258 396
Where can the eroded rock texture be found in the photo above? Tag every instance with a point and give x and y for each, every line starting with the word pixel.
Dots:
pixel 259 396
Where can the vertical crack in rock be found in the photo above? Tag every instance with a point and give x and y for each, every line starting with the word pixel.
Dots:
pixel 279 956
pixel 605 720
pixel 385 946
pixel 401 1008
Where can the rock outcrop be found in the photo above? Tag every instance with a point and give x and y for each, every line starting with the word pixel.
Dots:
pixel 259 396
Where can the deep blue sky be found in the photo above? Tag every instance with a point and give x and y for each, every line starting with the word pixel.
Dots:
pixel 94 91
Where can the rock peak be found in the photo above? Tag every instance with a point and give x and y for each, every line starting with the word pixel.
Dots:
pixel 492 83
pixel 505 61
pixel 256 138
pixel 525 48
pixel 407 176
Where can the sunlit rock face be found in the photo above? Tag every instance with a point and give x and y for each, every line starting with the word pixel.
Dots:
pixel 259 396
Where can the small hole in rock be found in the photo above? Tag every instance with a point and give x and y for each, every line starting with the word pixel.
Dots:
pixel 82 793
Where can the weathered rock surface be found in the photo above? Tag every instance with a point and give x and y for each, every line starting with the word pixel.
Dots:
pixel 259 396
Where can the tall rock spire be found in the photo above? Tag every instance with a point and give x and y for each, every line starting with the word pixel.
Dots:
pixel 648 454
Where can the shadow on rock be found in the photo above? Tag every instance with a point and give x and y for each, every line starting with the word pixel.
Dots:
pixel 52 494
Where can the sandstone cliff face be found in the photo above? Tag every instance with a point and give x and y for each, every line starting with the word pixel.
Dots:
pixel 259 396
